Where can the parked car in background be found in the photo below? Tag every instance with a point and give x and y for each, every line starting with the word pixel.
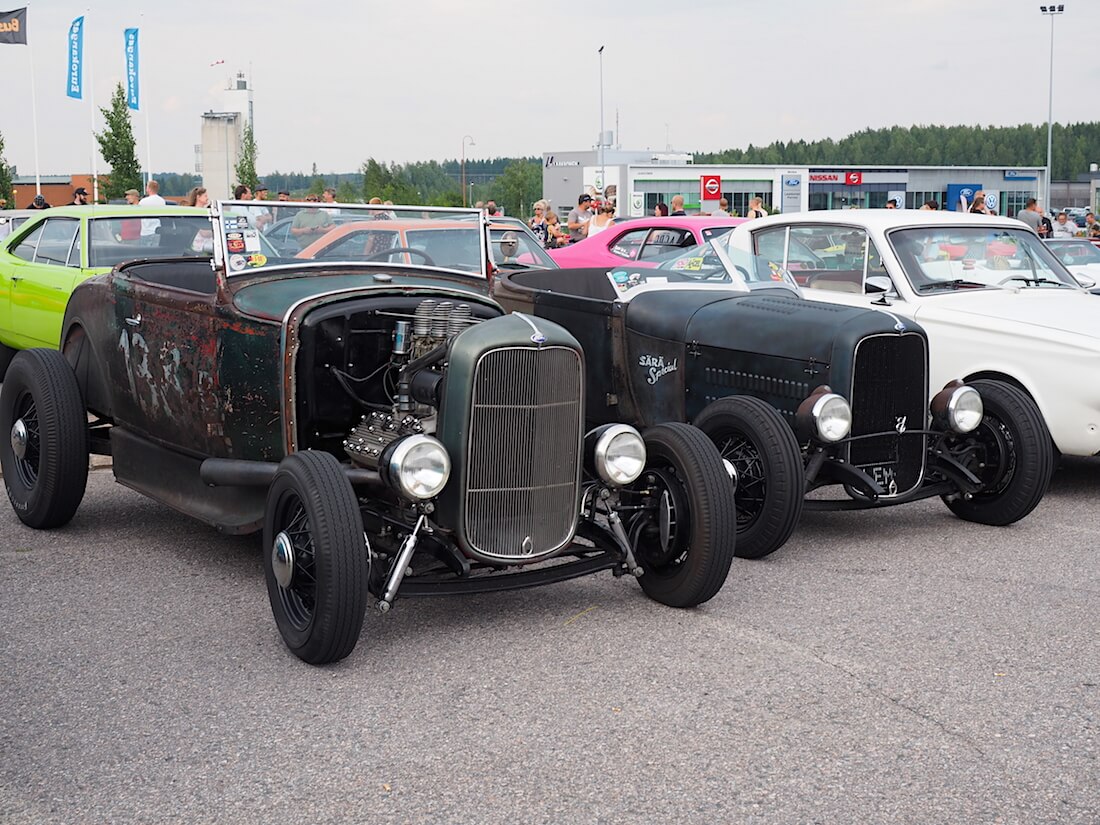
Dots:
pixel 996 301
pixel 12 219
pixel 1081 257
pixel 43 260
pixel 642 241
pixel 796 394
pixel 382 422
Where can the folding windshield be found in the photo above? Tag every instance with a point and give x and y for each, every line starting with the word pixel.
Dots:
pixel 937 259
pixel 272 235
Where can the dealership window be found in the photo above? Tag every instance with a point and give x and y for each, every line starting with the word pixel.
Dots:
pixel 915 200
pixel 1012 203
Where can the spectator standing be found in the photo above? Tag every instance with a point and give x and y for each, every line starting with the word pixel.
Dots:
pixel 1030 215
pixel 660 210
pixel 39 202
pixel 1092 226
pixel 723 210
pixel 538 223
pixel 149 226
pixel 261 192
pixel 677 207
pixel 1064 228
pixel 578 219
pixel 80 197
pixel 196 197
pixel 261 215
pixel 1046 229
pixel 491 209
pixel 756 209
pixel 129 229
pixel 602 219
pixel 932 206
pixel 310 223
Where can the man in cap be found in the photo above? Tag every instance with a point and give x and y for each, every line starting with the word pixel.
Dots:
pixel 129 229
pixel 132 197
pixel 80 197
pixel 578 218
pixel 39 202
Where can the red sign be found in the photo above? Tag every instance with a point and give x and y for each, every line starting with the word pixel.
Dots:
pixel 710 187
pixel 825 177
pixel 853 178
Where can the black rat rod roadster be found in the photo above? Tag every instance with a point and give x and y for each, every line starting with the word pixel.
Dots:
pixel 384 424
pixel 796 394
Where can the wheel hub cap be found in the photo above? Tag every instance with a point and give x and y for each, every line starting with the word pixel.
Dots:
pixel 731 471
pixel 282 560
pixel 19 439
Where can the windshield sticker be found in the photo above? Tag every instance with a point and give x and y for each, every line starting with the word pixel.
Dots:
pixel 688 264
pixel 258 259
pixel 234 242
pixel 236 262
pixel 624 281
pixel 251 240
pixel 235 222
pixel 657 367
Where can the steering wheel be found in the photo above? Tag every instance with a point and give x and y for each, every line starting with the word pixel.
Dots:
pixel 385 253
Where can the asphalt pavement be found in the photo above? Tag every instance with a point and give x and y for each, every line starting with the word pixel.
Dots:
pixel 891 666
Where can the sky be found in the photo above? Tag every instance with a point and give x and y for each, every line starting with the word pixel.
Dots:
pixel 338 82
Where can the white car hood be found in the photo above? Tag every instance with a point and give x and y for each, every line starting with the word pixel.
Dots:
pixel 1058 310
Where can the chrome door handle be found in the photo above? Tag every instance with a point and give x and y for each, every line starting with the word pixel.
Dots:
pixel 15 279
pixel 134 321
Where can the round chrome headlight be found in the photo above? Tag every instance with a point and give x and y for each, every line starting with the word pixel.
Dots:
pixel 620 455
pixel 419 466
pixel 832 417
pixel 964 409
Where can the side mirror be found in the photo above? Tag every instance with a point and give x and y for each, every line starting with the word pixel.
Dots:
pixel 877 283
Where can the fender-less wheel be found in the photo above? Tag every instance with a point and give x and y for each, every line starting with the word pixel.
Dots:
pixel 1010 451
pixel 770 477
pixel 315 558
pixel 684 532
pixel 44 425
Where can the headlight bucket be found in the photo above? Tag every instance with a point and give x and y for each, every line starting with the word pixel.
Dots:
pixel 957 407
pixel 615 453
pixel 824 416
pixel 416 466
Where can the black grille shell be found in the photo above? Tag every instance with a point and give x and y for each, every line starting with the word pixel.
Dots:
pixel 522 470
pixel 889 395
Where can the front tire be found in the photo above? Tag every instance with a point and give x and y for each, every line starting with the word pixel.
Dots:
pixel 752 435
pixel 315 558
pixel 1010 451
pixel 684 536
pixel 45 425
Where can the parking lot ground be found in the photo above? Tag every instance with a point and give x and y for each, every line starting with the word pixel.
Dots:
pixel 889 666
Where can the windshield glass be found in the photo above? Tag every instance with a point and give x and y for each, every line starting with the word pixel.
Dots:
pixel 1075 253
pixel 943 258
pixel 272 235
pixel 518 249
pixel 712 265
pixel 114 240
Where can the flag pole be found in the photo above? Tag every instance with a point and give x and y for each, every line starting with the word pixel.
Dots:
pixel 91 101
pixel 34 121
pixel 141 85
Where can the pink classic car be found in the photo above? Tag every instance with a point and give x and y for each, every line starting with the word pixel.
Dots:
pixel 642 240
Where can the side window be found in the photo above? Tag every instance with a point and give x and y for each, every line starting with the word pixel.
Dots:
pixel 56 241
pixel 769 246
pixel 629 244
pixel 25 248
pixel 661 241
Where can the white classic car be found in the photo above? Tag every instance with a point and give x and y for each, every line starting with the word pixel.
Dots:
pixel 994 300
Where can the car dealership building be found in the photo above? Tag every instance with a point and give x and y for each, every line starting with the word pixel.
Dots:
pixel 641 179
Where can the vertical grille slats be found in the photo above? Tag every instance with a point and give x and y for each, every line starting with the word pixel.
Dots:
pixel 523 469
pixel 890 384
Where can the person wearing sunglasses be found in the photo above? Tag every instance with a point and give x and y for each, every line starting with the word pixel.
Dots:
pixel 538 223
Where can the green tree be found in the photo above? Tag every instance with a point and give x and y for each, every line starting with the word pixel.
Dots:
pixel 346 192
pixel 246 162
pixel 519 186
pixel 6 194
pixel 116 144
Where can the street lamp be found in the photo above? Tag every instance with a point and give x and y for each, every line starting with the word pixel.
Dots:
pixel 603 172
pixel 1051 11
pixel 464 139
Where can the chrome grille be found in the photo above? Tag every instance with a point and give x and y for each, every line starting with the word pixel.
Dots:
pixel 523 468
pixel 890 393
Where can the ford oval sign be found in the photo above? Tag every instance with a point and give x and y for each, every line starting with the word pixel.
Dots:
pixel 792 181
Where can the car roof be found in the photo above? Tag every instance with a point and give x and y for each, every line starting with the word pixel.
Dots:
pixel 120 211
pixel 886 219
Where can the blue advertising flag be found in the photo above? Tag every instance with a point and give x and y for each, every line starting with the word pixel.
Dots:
pixel 132 69
pixel 13 26
pixel 76 58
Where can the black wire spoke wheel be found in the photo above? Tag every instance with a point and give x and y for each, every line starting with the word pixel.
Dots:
pixel 1010 451
pixel 768 470
pixel 316 560
pixel 26 440
pixel 44 427
pixel 684 533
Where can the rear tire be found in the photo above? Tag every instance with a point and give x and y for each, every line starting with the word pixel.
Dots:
pixel 43 438
pixel 752 435
pixel 313 540
pixel 684 539
pixel 1011 451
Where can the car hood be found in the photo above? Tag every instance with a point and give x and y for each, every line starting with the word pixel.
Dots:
pixel 1060 311
pixel 273 297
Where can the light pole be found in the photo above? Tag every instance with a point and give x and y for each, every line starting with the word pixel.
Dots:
pixel 1051 11
pixel 603 173
pixel 464 139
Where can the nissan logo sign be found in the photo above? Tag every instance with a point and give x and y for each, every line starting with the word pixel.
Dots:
pixel 712 187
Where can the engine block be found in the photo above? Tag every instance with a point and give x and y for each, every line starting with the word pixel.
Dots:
pixel 374 433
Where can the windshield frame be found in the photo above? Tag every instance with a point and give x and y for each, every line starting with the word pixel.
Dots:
pixel 222 214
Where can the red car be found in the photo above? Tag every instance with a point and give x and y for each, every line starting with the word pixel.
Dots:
pixel 642 240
